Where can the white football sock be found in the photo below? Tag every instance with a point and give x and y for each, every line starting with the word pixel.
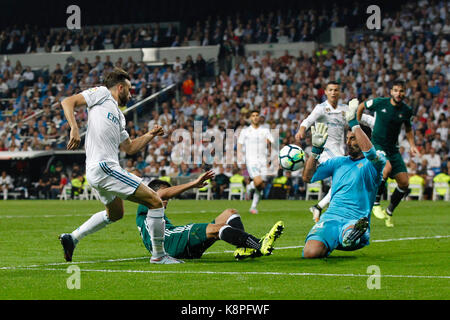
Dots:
pixel 155 225
pixel 326 200
pixel 256 197
pixel 251 186
pixel 97 222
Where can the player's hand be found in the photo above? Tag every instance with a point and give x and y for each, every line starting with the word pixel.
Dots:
pixel 75 139
pixel 299 136
pixel 414 151
pixel 202 181
pixel 157 131
pixel 319 135
pixel 350 114
pixel 352 108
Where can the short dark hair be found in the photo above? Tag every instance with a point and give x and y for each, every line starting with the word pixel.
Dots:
pixel 397 82
pixel 156 184
pixel 255 110
pixel 332 82
pixel 115 77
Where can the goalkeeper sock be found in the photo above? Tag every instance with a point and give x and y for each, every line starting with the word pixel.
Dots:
pixel 396 197
pixel 238 237
pixel 235 221
pixel 95 223
pixel 380 192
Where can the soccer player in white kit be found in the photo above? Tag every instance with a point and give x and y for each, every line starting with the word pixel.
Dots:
pixel 105 135
pixel 253 141
pixel 332 114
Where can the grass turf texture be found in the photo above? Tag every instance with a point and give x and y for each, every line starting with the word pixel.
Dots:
pixel 29 231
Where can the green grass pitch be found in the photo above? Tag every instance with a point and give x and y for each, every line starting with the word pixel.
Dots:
pixel 413 257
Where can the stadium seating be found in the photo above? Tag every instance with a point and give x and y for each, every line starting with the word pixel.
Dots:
pixel 284 88
pixel 235 189
pixel 314 190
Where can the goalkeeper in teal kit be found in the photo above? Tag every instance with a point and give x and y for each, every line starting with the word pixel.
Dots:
pixel 356 177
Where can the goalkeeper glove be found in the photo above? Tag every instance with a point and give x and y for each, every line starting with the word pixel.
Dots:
pixel 350 115
pixel 319 138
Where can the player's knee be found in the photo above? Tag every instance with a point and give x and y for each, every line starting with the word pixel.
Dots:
pixel 116 215
pixel 230 211
pixel 154 202
pixel 404 185
pixel 213 229
pixel 314 252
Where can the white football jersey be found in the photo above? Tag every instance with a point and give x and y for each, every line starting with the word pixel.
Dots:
pixel 106 126
pixel 254 142
pixel 336 122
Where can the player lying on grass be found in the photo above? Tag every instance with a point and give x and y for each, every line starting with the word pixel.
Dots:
pixel 356 177
pixel 190 241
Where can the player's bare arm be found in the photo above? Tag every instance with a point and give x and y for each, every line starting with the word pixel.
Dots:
pixel 200 182
pixel 69 104
pixel 301 133
pixel 133 146
pixel 240 153
pixel 363 141
pixel 360 111
pixel 310 169
pixel 410 136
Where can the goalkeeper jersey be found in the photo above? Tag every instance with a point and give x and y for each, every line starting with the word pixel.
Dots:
pixel 355 184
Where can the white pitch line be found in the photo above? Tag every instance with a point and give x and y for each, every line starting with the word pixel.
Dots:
pixel 127 214
pixel 208 252
pixel 247 273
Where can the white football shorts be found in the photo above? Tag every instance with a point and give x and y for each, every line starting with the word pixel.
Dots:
pixel 111 181
pixel 256 169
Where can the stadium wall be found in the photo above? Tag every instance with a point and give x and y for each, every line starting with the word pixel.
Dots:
pixel 278 49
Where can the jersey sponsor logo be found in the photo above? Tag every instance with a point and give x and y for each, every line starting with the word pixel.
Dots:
pixel 360 165
pixel 383 110
pixel 113 118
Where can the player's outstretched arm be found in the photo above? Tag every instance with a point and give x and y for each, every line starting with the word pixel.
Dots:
pixel 351 117
pixel 200 182
pixel 133 146
pixel 360 110
pixel 307 123
pixel 69 104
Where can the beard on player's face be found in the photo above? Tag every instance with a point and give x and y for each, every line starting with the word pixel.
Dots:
pixel 123 97
pixel 354 150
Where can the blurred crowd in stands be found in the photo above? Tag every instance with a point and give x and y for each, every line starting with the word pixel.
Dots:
pixel 413 46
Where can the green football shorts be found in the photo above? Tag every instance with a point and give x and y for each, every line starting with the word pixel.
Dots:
pixel 396 160
pixel 182 242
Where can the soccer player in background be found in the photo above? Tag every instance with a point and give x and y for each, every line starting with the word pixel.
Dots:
pixel 390 114
pixel 192 240
pixel 105 135
pixel 255 141
pixel 356 177
pixel 330 112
